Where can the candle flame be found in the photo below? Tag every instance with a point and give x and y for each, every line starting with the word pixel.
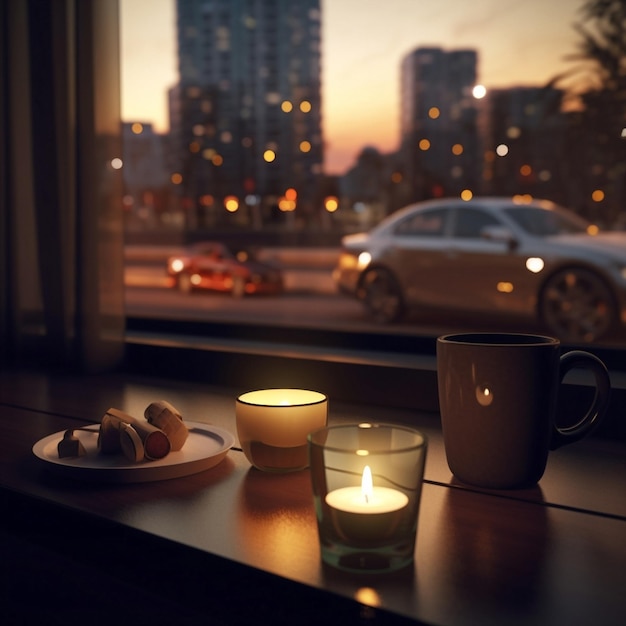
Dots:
pixel 367 486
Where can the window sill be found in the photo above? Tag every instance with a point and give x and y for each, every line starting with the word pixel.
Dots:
pixel 386 370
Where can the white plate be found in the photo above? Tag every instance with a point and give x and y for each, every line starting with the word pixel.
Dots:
pixel 205 447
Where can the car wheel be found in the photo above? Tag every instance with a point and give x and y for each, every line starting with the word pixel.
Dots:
pixel 577 305
pixel 239 287
pixel 184 283
pixel 382 296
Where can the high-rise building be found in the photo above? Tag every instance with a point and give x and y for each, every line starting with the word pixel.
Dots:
pixel 524 133
pixel 246 115
pixel 439 138
pixel 145 173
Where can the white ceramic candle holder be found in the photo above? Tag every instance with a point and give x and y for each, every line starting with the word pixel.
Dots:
pixel 273 424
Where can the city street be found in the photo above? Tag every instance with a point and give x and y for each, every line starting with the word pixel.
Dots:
pixel 310 300
pixel 299 309
pixel 304 307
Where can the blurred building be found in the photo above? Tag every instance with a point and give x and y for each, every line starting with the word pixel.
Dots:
pixel 373 188
pixel 524 131
pixel 439 135
pixel 246 115
pixel 145 173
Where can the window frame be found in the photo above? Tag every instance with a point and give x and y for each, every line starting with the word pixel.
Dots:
pixel 386 369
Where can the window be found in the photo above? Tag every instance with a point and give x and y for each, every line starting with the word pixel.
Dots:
pixel 546 223
pixel 430 224
pixel 470 223
pixel 472 120
pixel 179 191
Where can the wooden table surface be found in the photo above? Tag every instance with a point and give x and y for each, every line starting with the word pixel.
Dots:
pixel 555 554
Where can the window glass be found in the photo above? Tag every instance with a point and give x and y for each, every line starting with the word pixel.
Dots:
pixel 545 223
pixel 427 224
pixel 291 130
pixel 470 223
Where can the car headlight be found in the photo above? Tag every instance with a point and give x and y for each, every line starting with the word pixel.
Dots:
pixel 364 260
pixel 535 264
pixel 176 265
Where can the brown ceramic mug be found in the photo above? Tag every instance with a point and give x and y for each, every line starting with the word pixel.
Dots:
pixel 498 395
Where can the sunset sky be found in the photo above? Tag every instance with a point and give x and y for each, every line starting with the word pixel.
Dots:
pixel 520 42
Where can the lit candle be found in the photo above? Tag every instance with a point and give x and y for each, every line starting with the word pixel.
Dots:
pixel 366 514
pixel 273 424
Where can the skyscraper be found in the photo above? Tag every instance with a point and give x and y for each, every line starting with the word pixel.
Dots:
pixel 246 115
pixel 438 120
pixel 526 125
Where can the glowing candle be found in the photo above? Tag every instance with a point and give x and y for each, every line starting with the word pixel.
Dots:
pixel 273 425
pixel 366 514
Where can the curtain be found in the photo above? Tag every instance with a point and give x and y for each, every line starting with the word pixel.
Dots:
pixel 61 237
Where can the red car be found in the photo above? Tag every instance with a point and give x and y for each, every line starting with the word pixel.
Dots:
pixel 213 266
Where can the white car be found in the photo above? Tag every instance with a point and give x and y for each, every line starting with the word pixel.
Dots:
pixel 490 255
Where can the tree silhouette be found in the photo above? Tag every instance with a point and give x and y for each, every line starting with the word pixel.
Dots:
pixel 597 85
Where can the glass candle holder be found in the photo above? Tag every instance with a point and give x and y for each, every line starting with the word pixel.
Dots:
pixel 273 424
pixel 367 484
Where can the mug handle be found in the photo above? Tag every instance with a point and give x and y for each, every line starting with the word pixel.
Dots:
pixel 597 410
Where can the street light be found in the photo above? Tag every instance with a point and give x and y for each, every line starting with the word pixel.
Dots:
pixel 231 203
pixel 331 204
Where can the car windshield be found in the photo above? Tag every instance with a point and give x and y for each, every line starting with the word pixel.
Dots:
pixel 545 222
